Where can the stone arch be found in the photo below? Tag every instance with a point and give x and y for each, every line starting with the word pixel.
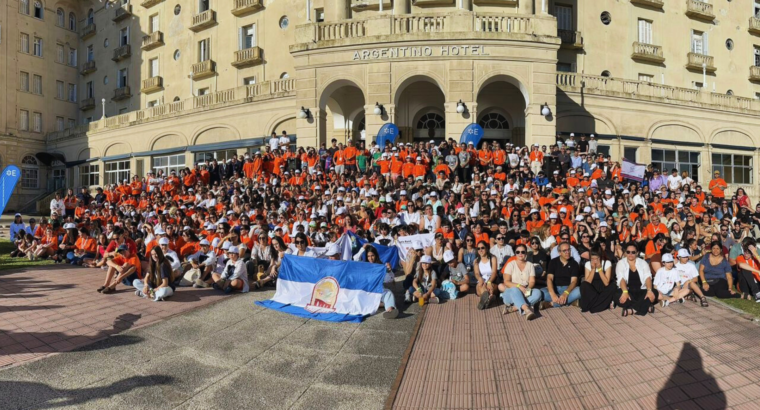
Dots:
pixel 215 133
pixel 506 76
pixel 275 123
pixel 411 78
pixel 335 83
pixel 118 148
pixel 732 136
pixel 165 141
pixel 87 153
pixel 587 123
pixel 675 131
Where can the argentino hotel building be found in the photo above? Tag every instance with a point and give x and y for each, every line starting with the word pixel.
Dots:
pixel 95 92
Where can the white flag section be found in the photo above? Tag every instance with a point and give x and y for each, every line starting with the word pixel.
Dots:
pixel 406 243
pixel 335 291
pixel 632 170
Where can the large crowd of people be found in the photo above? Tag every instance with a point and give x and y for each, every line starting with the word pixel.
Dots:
pixel 527 227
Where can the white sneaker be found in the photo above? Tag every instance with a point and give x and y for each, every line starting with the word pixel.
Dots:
pixel 139 293
pixel 408 297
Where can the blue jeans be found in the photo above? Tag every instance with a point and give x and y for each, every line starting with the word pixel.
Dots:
pixel 436 291
pixel 516 297
pixel 159 293
pixel 574 295
pixel 389 301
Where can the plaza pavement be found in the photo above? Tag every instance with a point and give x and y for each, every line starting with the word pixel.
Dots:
pixel 230 354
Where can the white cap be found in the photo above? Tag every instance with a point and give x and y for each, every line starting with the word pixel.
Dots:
pixel 448 256
pixel 226 245
pixel 603 224
pixel 534 211
pixel 587 209
pixel 419 158
pixel 341 211
pixel 683 253
pixel 494 192
pixel 215 242
pixel 426 259
pixel 159 231
pixel 578 218
pixel 433 193
pixel 205 242
pixel 607 192
pixel 403 192
pixel 625 191
pixel 563 210
pixel 556 172
pixel 163 241
pixel 70 225
pixel 233 249
pixel 668 257
pixel 553 216
pixel 186 228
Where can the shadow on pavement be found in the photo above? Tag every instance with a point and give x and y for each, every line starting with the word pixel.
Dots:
pixel 690 360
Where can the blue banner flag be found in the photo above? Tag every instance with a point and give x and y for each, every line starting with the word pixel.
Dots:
pixel 323 289
pixel 387 133
pixel 388 254
pixel 472 133
pixel 9 178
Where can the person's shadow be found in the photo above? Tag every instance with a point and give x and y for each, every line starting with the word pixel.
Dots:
pixel 684 382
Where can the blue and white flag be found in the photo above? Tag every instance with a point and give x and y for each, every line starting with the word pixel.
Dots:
pixel 8 179
pixel 333 291
pixel 387 254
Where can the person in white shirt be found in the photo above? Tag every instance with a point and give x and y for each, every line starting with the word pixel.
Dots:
pixel 274 142
pixel 57 205
pixel 689 276
pixel 235 275
pixel 284 141
pixel 674 180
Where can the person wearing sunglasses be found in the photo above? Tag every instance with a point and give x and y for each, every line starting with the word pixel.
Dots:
pixel 635 293
pixel 501 250
pixel 517 289
pixel 486 274
pixel 562 279
pixel 302 242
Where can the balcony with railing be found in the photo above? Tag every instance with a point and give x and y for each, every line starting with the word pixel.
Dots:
pixel 248 57
pixel 152 84
pixel 203 20
pixel 361 5
pixel 122 53
pixel 507 3
pixel 699 10
pixel 243 7
pixel 87 104
pixel 122 12
pixel 657 4
pixel 754 25
pixel 150 3
pixel 696 62
pixel 152 40
pixel 121 93
pixel 571 39
pixel 432 3
pixel 754 73
pixel 481 25
pixel 88 31
pixel 647 52
pixel 204 69
pixel 88 67
pixel 222 99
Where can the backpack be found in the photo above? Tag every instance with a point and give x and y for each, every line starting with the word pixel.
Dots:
pixel 449 290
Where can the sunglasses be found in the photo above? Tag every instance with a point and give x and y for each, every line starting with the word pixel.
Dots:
pixel 481 248
pixel 520 252
pixel 631 252
pixel 564 250
pixel 585 237
pixel 300 242
pixel 468 240
pixel 499 238
pixel 534 243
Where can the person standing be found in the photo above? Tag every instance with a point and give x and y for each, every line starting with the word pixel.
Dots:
pixel 717 187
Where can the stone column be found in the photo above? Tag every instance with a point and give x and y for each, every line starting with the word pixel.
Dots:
pixel 539 129
pixel 336 9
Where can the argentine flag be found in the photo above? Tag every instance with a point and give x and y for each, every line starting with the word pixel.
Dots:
pixel 323 289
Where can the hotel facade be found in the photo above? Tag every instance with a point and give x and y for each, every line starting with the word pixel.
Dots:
pixel 94 93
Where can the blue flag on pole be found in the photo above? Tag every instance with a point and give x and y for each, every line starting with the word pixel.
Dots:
pixel 9 178
pixel 387 133
pixel 472 133
pixel 323 289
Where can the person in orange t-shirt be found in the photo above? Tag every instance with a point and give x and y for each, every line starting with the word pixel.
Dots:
pixel 123 266
pixel 419 170
pixel 84 247
pixel 408 167
pixel 717 186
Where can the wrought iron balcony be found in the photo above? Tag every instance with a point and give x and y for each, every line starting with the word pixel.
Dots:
pixel 152 40
pixel 204 20
pixel 152 84
pixel 88 31
pixel 120 13
pixel 243 7
pixel 122 53
pixel 88 67
pixel 247 57
pixel 121 93
pixel 204 69
pixel 647 52
pixel 87 104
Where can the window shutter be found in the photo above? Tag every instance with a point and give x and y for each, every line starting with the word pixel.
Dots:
pixel 252 33
pixel 705 44
pixel 241 40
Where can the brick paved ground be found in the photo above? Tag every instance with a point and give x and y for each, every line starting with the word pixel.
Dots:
pixel 682 357
pixel 56 309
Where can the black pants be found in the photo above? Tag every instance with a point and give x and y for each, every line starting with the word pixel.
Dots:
pixel 719 289
pixel 596 298
pixel 747 282
pixel 637 300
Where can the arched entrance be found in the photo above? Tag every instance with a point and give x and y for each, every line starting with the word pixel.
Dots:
pixel 502 102
pixel 420 113
pixel 340 106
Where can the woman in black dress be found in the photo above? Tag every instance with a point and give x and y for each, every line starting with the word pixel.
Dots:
pixel 596 292
pixel 635 292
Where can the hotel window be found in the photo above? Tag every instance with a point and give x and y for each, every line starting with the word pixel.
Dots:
pixel 60 18
pixel 735 169
pixel 247 37
pixel 73 92
pixel 699 42
pixel 203 50
pixel 90 17
pixel 23 120
pixel 117 171
pixel 631 153
pixel 89 175
pixel 90 90
pixel 59 53
pixel 59 90
pixel 90 53
pixel 220 156
pixel 24 82
pixel 30 173
pixel 152 104
pixel 757 56
pixel 73 57
pixel 72 123
pixel 24 7
pixel 645 31
pixel 154 23
pixel 153 67
pixel 124 36
pixel 122 78
pixel 37 84
pixel 72 22
pixel 37 122
pixel 24 43
pixel 665 160
pixel 38 47
pixel 249 80
pixel 203 91
pixel 203 5
pixel 38 10
pixel 59 123
pixel 648 78
pixel 169 163
pixel 320 15
pixel 564 17
pixel 565 67
pixel 697 85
